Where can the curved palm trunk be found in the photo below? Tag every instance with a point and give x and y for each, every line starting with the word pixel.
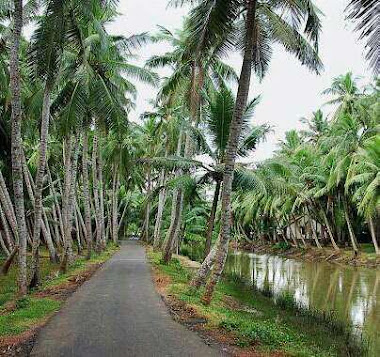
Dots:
pixel 373 235
pixel 211 220
pixel 160 211
pixel 231 151
pixel 86 195
pixel 16 145
pixel 35 278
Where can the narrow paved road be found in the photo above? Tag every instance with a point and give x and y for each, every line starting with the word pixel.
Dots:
pixel 118 313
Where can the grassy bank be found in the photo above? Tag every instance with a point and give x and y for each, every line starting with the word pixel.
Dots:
pixel 252 322
pixel 345 256
pixel 19 318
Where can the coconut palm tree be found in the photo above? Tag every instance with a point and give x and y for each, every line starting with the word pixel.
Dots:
pixel 218 115
pixel 17 174
pixel 262 24
pixel 365 13
pixel 363 174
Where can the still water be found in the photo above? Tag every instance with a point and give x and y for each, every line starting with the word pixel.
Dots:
pixel 352 294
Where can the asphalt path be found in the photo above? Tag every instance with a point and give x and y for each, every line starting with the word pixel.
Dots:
pixel 118 313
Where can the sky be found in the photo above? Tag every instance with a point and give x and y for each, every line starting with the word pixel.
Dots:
pixel 288 92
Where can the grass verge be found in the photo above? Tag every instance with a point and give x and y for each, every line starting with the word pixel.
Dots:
pixel 249 322
pixel 21 318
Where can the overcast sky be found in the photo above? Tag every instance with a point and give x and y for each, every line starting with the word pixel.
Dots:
pixel 288 92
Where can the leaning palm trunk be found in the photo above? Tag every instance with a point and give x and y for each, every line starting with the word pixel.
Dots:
pixel 6 201
pixel 231 151
pixel 160 211
pixel 313 230
pixel 204 270
pixel 86 195
pixel 373 235
pixel 329 231
pixel 39 187
pixel 16 118
pixel 4 246
pixel 7 264
pixel 6 230
pixel 211 220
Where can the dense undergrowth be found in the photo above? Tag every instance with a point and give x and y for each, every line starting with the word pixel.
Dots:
pixel 253 318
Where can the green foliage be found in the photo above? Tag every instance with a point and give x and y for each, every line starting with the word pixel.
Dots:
pixel 269 325
pixel 29 312
pixel 282 246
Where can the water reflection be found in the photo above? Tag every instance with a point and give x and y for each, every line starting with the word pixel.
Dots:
pixel 353 294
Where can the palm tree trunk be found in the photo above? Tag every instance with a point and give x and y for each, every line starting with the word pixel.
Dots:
pixel 122 217
pixel 115 205
pixel 231 151
pixel 3 245
pixel 57 207
pixel 7 264
pixel 16 146
pixel 101 199
pixel 298 233
pixel 327 224
pixel 96 192
pixel 211 220
pixel 148 205
pixel 160 211
pixel 38 187
pixel 69 195
pixel 86 195
pixel 44 228
pixel 373 235
pixel 351 232
pixel 81 220
pixel 6 201
pixel 7 233
pixel 313 230
pixel 174 224
pixel 205 268
pixel 175 212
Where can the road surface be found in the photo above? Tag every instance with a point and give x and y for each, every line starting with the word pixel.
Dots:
pixel 118 313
